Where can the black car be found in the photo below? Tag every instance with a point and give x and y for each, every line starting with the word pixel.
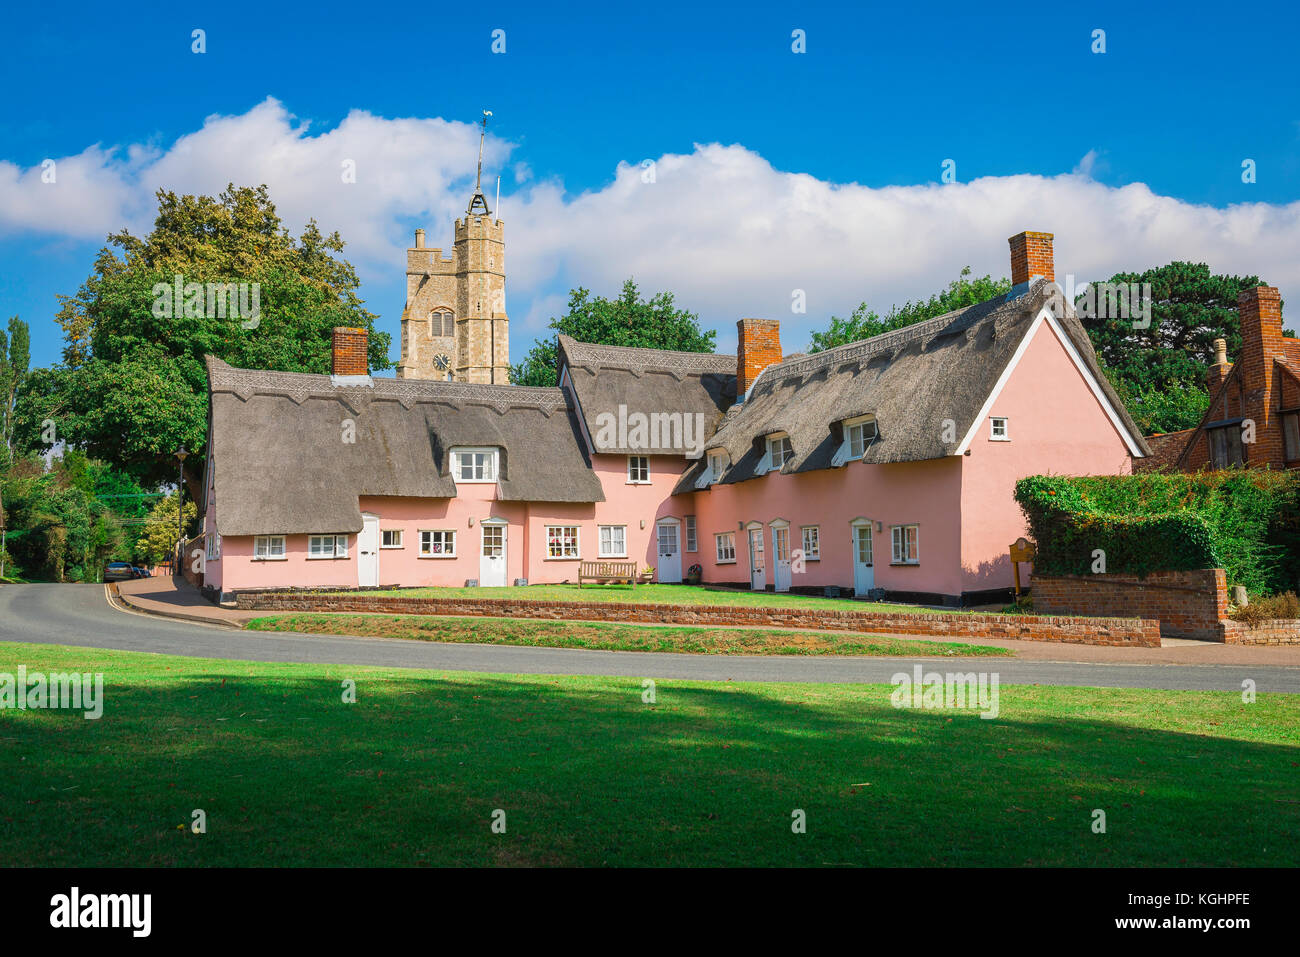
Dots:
pixel 118 572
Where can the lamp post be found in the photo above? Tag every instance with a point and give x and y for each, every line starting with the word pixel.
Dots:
pixel 181 455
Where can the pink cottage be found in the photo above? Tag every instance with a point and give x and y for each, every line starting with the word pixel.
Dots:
pixel 883 467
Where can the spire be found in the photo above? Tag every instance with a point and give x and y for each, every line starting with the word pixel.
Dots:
pixel 478 201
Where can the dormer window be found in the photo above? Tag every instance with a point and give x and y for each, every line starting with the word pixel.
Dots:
pixel 717 464
pixel 858 434
pixel 474 465
pixel 779 451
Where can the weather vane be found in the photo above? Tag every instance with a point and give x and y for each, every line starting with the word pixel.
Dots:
pixel 478 198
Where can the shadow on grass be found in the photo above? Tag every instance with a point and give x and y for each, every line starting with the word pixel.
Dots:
pixel 587 773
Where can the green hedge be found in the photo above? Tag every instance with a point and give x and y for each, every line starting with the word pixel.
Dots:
pixel 1244 521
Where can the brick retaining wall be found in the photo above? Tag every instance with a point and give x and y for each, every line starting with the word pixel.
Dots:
pixel 1188 604
pixel 1129 632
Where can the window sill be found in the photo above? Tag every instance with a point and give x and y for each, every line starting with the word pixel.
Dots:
pixel 638 482
pixel 604 557
pixel 812 558
pixel 435 556
pixel 391 548
pixel 573 558
pixel 327 558
pixel 727 561
pixel 275 558
pixel 998 438
pixel 904 564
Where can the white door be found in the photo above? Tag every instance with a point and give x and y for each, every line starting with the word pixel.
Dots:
pixel 492 556
pixel 757 571
pixel 368 551
pixel 781 557
pixel 864 577
pixel 670 553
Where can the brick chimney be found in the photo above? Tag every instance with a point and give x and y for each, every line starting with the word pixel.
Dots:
pixel 1031 256
pixel 1260 309
pixel 350 345
pixel 1219 370
pixel 758 345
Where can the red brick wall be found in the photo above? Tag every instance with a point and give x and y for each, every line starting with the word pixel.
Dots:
pixel 758 345
pixel 350 345
pixel 1031 255
pixel 1075 630
pixel 1188 604
pixel 1279 632
pixel 1261 343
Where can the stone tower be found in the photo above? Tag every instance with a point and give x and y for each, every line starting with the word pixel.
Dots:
pixel 454 325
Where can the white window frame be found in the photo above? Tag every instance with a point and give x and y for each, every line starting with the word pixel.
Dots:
pixel 718 539
pixel 643 467
pixel 813 554
pixel 338 546
pixel 777 442
pixel 565 544
pixel 994 422
pixel 900 558
pixel 601 551
pixel 445 533
pixel 264 543
pixel 490 465
pixel 212 547
pixel 392 531
pixel 692 540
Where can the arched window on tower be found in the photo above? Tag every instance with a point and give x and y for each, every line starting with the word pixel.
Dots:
pixel 442 322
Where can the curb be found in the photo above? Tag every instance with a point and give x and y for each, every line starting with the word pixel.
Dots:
pixel 122 603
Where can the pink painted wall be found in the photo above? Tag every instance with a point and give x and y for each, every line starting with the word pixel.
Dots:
pixel 910 493
pixel 1056 425
pixel 626 504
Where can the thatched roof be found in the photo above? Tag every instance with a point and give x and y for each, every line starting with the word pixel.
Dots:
pixel 646 381
pixel 282 467
pixel 911 379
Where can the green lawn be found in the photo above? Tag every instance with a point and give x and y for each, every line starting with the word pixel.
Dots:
pixel 659 595
pixel 589 774
pixel 613 636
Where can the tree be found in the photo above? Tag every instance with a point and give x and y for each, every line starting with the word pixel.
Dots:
pixel 15 357
pixel 866 322
pixel 628 320
pixel 158 539
pixel 132 387
pixel 1160 365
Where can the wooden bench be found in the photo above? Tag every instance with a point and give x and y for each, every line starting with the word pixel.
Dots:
pixel 604 572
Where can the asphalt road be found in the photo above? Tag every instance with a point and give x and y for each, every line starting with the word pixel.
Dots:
pixel 80 615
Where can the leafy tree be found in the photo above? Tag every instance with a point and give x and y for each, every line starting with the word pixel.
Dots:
pixel 15 357
pixel 628 320
pixel 1162 365
pixel 132 387
pixel 158 539
pixel 866 322
pixel 57 529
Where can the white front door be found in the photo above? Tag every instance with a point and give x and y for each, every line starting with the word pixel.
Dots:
pixel 781 557
pixel 368 551
pixel 864 576
pixel 492 556
pixel 670 553
pixel 757 570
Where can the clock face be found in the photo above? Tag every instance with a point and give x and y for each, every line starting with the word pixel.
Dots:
pixel 442 361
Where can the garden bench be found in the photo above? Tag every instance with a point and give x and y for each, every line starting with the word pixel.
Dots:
pixel 603 572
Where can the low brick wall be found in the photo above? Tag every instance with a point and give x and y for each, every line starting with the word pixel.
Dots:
pixel 1130 632
pixel 1282 631
pixel 1188 604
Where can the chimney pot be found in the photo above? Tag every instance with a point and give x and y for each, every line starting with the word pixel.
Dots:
pixel 350 351
pixel 1031 256
pixel 758 345
pixel 419 239
pixel 1220 352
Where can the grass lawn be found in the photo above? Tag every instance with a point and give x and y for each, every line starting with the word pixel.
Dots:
pixel 661 595
pixel 587 773
pixel 613 637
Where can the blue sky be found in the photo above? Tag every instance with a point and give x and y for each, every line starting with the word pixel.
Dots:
pixel 777 171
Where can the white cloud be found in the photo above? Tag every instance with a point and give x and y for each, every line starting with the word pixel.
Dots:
pixel 720 227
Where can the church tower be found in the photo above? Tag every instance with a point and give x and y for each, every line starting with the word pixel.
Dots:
pixel 454 325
